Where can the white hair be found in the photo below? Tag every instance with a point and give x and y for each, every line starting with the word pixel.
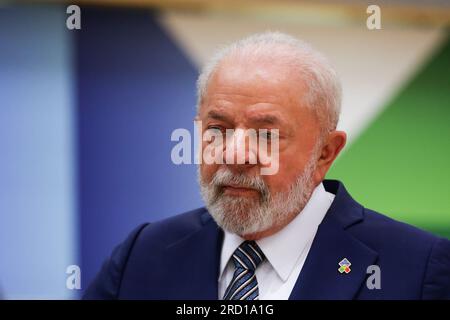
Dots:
pixel 324 89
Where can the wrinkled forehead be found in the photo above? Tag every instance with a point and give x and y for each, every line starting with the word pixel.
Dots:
pixel 255 80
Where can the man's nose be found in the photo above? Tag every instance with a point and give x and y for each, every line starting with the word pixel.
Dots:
pixel 240 149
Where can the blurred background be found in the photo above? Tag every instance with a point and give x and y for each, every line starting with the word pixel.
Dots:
pixel 86 118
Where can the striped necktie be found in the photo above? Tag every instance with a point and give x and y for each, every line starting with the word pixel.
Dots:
pixel 244 285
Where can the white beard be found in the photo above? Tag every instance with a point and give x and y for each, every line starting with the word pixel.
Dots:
pixel 244 216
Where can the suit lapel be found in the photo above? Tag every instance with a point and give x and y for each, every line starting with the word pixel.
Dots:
pixel 320 278
pixel 195 262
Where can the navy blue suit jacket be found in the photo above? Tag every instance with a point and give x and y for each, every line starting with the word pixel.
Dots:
pixel 179 257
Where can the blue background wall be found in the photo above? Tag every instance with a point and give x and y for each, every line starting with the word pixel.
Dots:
pixel 134 88
pixel 38 222
pixel 86 118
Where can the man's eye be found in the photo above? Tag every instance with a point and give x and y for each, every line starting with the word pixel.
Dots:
pixel 267 134
pixel 214 128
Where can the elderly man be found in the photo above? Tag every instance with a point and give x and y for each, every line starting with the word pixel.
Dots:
pixel 287 235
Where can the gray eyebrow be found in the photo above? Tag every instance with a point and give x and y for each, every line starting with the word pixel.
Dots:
pixel 218 116
pixel 260 119
pixel 267 119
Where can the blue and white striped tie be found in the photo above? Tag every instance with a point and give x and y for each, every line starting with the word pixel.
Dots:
pixel 244 285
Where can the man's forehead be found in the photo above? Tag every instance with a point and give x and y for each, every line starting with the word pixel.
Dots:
pixel 258 115
pixel 246 99
pixel 253 83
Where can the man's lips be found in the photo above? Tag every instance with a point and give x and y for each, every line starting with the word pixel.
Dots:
pixel 238 190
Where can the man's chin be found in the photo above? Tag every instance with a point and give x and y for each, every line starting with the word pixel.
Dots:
pixel 240 221
pixel 238 206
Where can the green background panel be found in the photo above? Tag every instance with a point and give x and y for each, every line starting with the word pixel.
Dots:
pixel 400 165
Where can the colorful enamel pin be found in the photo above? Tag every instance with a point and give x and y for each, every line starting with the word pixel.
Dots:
pixel 344 266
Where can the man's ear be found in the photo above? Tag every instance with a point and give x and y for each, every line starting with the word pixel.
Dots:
pixel 334 143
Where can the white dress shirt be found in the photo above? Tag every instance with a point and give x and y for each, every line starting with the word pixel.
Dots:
pixel 286 250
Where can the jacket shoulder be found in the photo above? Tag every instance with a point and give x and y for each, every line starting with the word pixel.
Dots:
pixel 384 230
pixel 170 230
pixel 145 238
pixel 419 258
pixel 106 283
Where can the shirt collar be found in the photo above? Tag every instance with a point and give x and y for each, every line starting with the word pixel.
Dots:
pixel 284 248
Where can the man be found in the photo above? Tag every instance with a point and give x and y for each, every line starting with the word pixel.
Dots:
pixel 287 235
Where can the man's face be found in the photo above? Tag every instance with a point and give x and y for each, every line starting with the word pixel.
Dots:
pixel 259 95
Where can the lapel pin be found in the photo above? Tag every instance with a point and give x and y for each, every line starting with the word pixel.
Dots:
pixel 344 266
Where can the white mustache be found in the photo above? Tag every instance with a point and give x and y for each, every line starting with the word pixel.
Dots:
pixel 224 177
